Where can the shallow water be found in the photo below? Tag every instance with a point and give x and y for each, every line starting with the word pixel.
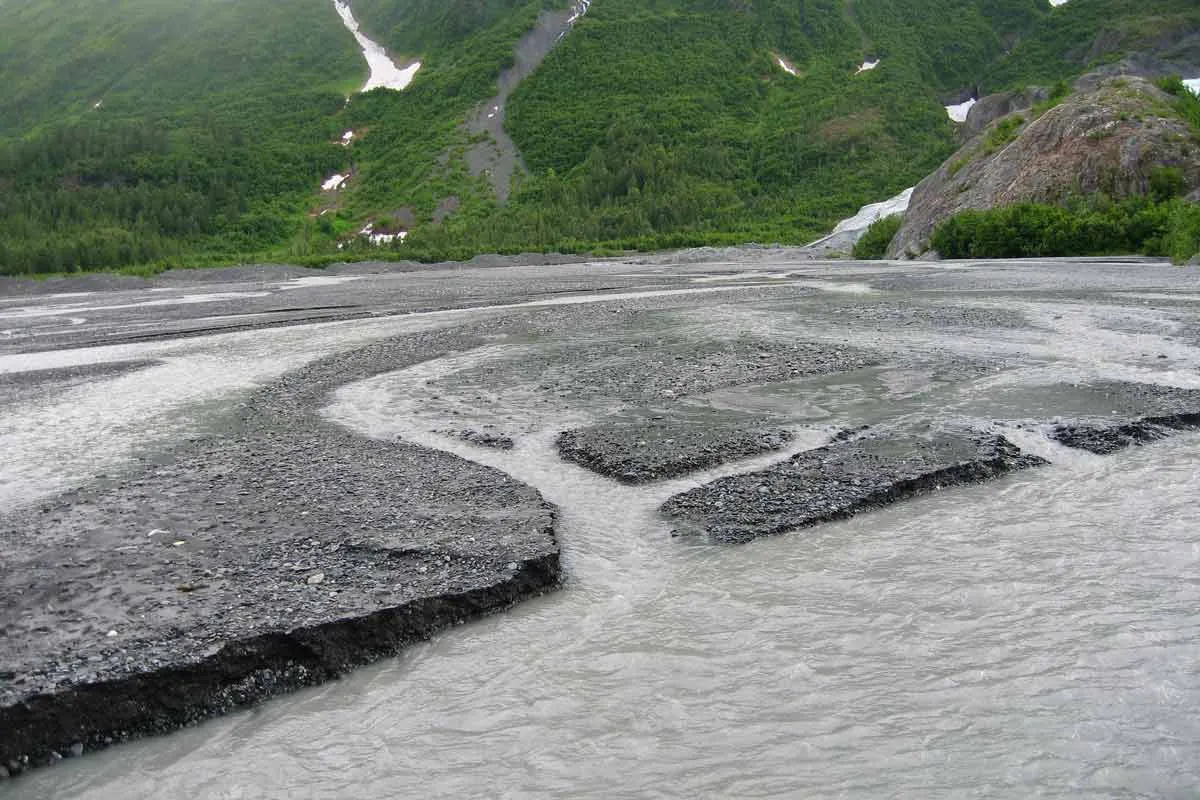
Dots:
pixel 1035 636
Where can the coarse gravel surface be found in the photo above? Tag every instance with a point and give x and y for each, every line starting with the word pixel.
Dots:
pixel 661 447
pixel 840 480
pixel 1141 413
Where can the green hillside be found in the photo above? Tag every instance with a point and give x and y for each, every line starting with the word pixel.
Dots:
pixel 654 122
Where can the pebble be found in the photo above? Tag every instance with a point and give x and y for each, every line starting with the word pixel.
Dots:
pixel 316 578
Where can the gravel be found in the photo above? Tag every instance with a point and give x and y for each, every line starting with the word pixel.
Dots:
pixel 1142 413
pixel 655 450
pixel 237 567
pixel 839 481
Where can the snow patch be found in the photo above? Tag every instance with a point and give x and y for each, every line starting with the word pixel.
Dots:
pixel 334 183
pixel 387 238
pixel 384 72
pixel 959 112
pixel 1193 84
pixel 380 238
pixel 578 11
pixel 850 230
pixel 867 65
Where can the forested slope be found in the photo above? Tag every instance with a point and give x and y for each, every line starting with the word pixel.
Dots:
pixel 653 123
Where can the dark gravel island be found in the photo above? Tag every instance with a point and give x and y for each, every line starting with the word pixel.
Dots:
pixel 238 567
pixel 841 480
pixel 651 451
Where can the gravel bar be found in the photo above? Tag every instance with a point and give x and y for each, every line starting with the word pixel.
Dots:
pixel 652 451
pixel 839 481
pixel 1164 410
pixel 239 567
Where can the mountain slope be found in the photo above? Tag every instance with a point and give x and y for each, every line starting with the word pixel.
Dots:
pixel 1119 139
pixel 652 123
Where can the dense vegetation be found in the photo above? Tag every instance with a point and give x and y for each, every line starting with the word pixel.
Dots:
pixel 655 123
pixel 147 129
pixel 1098 226
pixel 1160 223
pixel 874 243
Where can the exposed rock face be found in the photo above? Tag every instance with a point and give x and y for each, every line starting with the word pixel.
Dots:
pixel 1108 139
pixel 495 154
pixel 994 106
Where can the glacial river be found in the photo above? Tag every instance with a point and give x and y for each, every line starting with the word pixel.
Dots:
pixel 1035 636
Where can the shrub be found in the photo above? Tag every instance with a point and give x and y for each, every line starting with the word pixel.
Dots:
pixel 1096 226
pixel 875 241
pixel 1182 238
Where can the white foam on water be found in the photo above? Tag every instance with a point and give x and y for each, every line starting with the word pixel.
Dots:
pixel 1193 84
pixel 867 65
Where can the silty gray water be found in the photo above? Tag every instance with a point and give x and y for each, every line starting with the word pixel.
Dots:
pixel 1032 636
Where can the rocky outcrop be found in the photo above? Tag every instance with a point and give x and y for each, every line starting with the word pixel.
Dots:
pixel 1108 139
pixel 994 106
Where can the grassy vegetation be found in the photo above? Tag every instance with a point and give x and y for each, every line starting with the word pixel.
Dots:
pixel 656 123
pixel 150 130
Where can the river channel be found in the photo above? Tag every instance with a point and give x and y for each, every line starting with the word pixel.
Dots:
pixel 1037 635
